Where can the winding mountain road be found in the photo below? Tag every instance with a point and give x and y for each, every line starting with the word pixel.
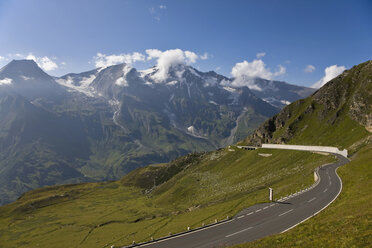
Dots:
pixel 264 219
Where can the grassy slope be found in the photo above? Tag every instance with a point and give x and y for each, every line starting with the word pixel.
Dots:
pixel 93 215
pixel 346 223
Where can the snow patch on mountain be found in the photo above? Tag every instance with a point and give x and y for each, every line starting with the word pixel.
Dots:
pixel 26 78
pixel 114 102
pixel 174 82
pixel 194 72
pixel 210 81
pixel 83 86
pixel 171 97
pixel 285 102
pixel 122 81
pixel 149 84
pixel 229 89
pixel 144 73
pixel 180 73
pixel 6 81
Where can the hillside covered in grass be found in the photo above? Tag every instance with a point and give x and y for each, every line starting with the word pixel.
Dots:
pixel 155 200
pixel 345 223
pixel 338 114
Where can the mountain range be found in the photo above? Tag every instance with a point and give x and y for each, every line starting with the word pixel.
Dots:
pixel 199 188
pixel 101 124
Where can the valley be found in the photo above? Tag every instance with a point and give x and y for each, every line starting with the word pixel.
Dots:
pixel 101 124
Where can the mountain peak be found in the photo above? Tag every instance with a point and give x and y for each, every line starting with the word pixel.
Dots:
pixel 26 62
pixel 24 67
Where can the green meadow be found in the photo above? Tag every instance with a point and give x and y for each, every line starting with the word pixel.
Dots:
pixel 156 200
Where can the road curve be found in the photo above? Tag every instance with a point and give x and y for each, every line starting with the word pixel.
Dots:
pixel 264 219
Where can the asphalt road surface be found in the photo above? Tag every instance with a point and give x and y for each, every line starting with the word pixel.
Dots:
pixel 264 219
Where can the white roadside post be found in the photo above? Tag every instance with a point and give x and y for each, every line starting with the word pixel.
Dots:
pixel 270 194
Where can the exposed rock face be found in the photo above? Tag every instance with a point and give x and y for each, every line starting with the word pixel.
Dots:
pixel 349 93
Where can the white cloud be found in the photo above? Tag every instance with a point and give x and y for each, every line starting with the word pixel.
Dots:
pixel 2 58
pixel 282 70
pixel 309 68
pixel 260 55
pixel 169 58
pixel 330 73
pixel 155 11
pixel 217 68
pixel 103 60
pixel 45 63
pixel 191 57
pixel 5 81
pixel 204 56
pixel 245 72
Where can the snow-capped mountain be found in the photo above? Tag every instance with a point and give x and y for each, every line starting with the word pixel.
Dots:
pixel 26 78
pixel 279 94
pixel 101 124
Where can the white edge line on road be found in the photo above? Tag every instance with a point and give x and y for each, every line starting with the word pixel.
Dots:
pixel 286 212
pixel 227 236
pixel 339 192
pixel 312 199
pixel 188 233
pixel 241 216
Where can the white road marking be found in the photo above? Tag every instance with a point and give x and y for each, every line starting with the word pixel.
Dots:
pixel 258 210
pixel 339 192
pixel 266 207
pixel 181 235
pixel 325 190
pixel 240 216
pixel 250 213
pixel 286 212
pixel 272 205
pixel 312 199
pixel 238 232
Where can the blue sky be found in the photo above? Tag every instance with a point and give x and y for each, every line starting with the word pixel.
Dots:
pixel 65 36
